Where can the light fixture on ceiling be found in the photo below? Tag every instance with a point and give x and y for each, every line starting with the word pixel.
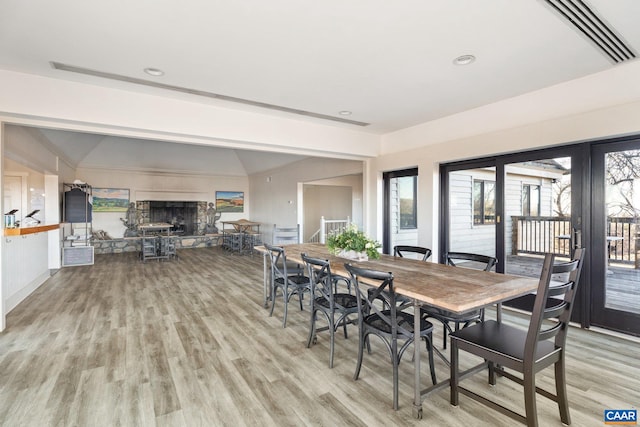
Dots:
pixel 345 113
pixel 155 72
pixel 464 60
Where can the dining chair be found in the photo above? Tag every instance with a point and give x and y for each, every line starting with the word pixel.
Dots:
pixel 281 278
pixel 446 317
pixel 392 325
pixel 416 251
pixel 283 235
pixel 326 299
pixel 527 351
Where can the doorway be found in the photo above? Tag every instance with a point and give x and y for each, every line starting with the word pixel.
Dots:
pixel 400 216
pixel 515 208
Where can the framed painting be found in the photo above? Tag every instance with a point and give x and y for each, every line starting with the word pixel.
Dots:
pixel 110 199
pixel 230 201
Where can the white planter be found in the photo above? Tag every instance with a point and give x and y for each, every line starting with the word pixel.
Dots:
pixel 353 255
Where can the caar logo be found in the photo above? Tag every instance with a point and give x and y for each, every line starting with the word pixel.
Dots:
pixel 621 416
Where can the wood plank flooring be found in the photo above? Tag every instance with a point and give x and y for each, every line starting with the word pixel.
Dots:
pixel 188 343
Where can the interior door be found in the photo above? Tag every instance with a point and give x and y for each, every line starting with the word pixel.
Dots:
pixel 615 255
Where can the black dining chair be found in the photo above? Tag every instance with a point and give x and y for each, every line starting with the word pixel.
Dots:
pixel 407 250
pixel 326 299
pixel 527 351
pixel 392 325
pixel 290 284
pixel 446 317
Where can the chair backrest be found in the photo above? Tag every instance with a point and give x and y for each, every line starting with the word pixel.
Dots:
pixel 320 278
pixel 285 235
pixel 486 262
pixel 278 260
pixel 378 287
pixel 402 250
pixel 559 307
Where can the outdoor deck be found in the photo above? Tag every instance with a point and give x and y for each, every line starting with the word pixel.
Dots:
pixel 623 281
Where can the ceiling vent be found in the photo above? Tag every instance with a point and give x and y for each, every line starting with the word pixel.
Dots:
pixel 593 27
pixel 111 76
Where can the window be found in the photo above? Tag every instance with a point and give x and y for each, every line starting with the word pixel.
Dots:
pixel 484 202
pixel 407 194
pixel 530 200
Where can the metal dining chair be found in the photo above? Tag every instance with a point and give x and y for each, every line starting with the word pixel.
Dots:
pixel 527 351
pixel 462 259
pixel 326 299
pixel 392 325
pixel 282 279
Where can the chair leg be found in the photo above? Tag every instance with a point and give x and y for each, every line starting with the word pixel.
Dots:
pixel 561 391
pixel 273 300
pixel 492 373
pixel 332 336
pixel 429 340
pixel 312 328
pixel 395 361
pixel 530 399
pixel 285 292
pixel 454 373
pixel 361 344
pixel 444 335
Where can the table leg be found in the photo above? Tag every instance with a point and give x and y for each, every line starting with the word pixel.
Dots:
pixel 265 280
pixel 417 398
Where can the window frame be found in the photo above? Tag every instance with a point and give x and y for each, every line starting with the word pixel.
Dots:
pixel 483 208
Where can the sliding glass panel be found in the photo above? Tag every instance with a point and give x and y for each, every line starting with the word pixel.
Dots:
pixel 537 213
pixel 472 211
pixel 622 201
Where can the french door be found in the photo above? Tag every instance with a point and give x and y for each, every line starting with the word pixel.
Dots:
pixel 615 251
pixel 515 208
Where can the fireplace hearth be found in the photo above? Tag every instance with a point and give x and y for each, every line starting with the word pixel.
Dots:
pixel 184 216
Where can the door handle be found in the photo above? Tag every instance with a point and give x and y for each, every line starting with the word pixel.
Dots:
pixel 576 238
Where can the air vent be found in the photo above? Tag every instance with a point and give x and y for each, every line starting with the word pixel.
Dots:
pixel 580 15
pixel 111 76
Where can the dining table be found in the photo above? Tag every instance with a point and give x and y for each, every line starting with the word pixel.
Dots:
pixel 243 230
pixel 456 289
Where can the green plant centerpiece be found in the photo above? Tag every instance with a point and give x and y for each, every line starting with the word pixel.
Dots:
pixel 353 244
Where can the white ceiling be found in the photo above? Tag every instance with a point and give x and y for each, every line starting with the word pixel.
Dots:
pixel 390 63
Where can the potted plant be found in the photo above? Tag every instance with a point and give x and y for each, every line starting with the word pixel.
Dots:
pixel 353 244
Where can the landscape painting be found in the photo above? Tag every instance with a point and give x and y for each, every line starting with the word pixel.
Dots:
pixel 110 199
pixel 230 201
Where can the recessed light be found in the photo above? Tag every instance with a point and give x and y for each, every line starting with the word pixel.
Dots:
pixel 345 113
pixel 154 72
pixel 464 60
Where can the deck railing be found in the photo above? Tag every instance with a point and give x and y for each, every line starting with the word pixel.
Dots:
pixel 542 234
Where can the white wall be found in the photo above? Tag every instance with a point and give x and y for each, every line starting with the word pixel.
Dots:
pixel 275 193
pixel 330 201
pixel 161 186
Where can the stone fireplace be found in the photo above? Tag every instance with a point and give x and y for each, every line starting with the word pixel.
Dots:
pixel 188 218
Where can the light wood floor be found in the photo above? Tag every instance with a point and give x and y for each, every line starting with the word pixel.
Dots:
pixel 187 342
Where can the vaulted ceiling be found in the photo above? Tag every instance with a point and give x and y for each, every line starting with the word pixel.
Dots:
pixel 390 65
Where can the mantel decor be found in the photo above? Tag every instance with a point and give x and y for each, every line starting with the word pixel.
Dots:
pixel 353 244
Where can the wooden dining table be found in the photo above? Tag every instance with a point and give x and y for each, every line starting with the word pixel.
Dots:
pixel 437 285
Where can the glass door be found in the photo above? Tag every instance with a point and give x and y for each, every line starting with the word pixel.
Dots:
pixel 515 208
pixel 472 210
pixel 400 213
pixel 615 256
